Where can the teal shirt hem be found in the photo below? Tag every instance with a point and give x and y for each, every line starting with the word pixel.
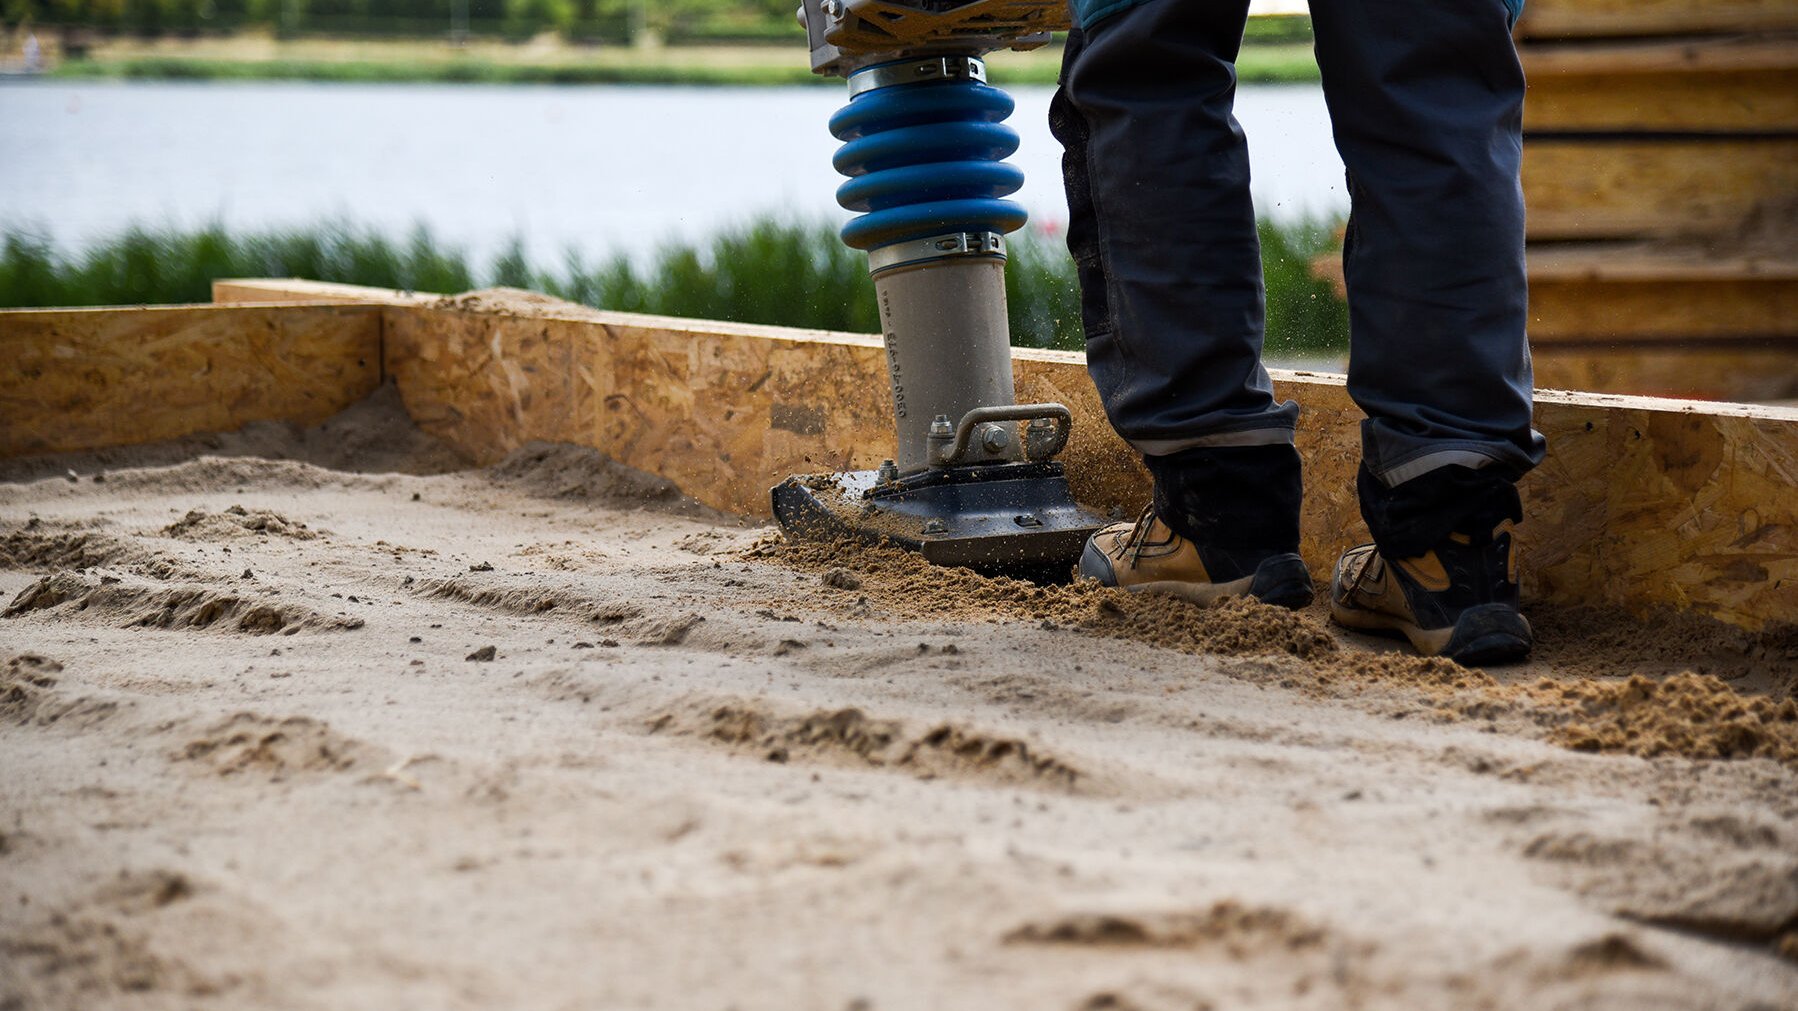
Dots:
pixel 1090 12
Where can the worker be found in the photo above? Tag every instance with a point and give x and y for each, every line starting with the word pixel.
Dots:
pixel 1425 101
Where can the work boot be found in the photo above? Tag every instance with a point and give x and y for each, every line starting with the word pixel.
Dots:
pixel 1458 600
pixel 1148 556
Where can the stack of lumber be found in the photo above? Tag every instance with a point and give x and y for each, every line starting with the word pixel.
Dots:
pixel 1660 170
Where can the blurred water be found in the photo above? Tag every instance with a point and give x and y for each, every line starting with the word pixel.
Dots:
pixel 594 169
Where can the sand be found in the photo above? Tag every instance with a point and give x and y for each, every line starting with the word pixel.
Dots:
pixel 328 719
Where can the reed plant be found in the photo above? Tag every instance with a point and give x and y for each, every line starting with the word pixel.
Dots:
pixel 146 265
pixel 772 270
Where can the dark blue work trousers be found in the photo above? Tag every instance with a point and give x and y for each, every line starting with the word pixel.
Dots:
pixel 1425 97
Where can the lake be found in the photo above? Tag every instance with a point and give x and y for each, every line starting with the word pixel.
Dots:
pixel 594 169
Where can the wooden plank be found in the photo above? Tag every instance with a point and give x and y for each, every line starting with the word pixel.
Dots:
pixel 1625 292
pixel 1618 188
pixel 1660 263
pixel 1595 18
pixel 1680 312
pixel 1594 293
pixel 1659 57
pixel 1704 103
pixel 88 378
pixel 1713 86
pixel 1743 373
pixel 1641 503
pixel 1589 317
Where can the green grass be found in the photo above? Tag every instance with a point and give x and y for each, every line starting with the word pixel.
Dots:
pixel 1282 63
pixel 770 271
pixel 473 71
pixel 142 265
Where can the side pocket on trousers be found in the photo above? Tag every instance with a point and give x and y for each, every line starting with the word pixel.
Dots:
pixel 1069 127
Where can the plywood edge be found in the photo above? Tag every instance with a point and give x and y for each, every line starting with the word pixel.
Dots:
pixel 83 321
pixel 153 309
pixel 1586 401
pixel 277 290
pixel 294 289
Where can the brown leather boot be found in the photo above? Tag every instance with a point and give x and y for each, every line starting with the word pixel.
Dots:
pixel 1148 556
pixel 1458 600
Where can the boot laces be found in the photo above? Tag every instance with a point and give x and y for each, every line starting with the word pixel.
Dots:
pixel 1139 534
pixel 1365 571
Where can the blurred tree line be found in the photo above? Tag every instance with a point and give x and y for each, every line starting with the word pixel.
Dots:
pixel 575 20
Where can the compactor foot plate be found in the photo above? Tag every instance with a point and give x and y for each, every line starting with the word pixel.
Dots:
pixel 1013 519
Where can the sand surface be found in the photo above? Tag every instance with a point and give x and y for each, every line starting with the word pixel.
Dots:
pixel 326 719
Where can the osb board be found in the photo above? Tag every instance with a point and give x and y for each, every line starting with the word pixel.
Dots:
pixel 719 410
pixel 1642 502
pixel 1629 188
pixel 1622 18
pixel 1701 87
pixel 88 378
pixel 1647 502
pixel 491 383
pixel 1748 373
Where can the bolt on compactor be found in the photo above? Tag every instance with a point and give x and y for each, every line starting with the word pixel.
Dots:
pixel 974 481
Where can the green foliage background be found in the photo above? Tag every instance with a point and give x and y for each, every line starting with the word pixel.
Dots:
pixel 575 20
pixel 581 20
pixel 778 271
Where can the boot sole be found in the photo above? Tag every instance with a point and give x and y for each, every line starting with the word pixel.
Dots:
pixel 1282 581
pixel 1484 635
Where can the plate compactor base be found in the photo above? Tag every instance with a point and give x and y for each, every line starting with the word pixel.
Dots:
pixel 1015 519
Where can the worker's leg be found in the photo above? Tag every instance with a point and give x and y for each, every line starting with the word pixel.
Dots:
pixel 1426 99
pixel 1427 102
pixel 1163 235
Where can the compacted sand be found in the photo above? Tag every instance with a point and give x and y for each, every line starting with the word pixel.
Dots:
pixel 326 719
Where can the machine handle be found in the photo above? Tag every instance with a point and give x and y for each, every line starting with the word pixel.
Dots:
pixel 1035 447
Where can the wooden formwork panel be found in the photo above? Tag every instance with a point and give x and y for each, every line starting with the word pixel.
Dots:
pixel 1621 187
pixel 1641 502
pixel 1597 18
pixel 1719 86
pixel 87 378
pixel 1655 502
pixel 715 409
